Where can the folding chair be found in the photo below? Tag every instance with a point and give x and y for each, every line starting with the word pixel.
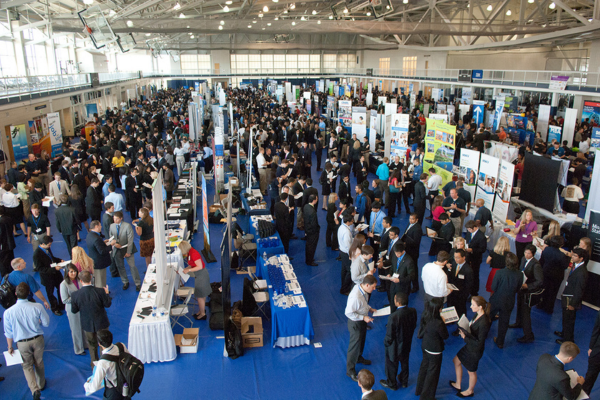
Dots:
pixel 182 293
pixel 180 311
pixel 262 301
pixel 257 284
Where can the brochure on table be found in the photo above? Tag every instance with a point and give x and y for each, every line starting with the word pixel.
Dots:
pixel 486 180
pixel 469 167
pixel 503 190
pixel 439 148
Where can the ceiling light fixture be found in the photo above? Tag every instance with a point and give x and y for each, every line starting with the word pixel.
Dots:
pixel 319 22
pixel 191 37
pixel 345 11
pixel 88 2
pixel 509 12
pixel 292 6
pixel 368 13
pixel 130 23
pixel 249 26
pixel 489 7
pixel 406 2
pixel 591 19
pixel 302 18
pixel 220 28
pixel 352 18
pixel 530 1
pixel 229 2
pixel 190 33
pixel 285 11
pixel 260 15
pixel 254 21
pixel 293 22
pixel 552 6
pixel 387 7
pixel 222 22
pixel 331 17
pixel 268 24
pixel 188 27
pixel 264 29
pixel 226 9
pixel 182 15
pixel 177 6
pixel 266 9
pixel 112 13
pixel 276 18
pixel 314 12
pixel 148 34
pixel 275 1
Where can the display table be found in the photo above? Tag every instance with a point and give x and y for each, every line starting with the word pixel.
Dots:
pixel 151 339
pixel 292 326
pixel 184 198
pixel 254 211
pixel 565 220
pixel 374 163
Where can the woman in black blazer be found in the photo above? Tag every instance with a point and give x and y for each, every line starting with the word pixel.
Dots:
pixel 505 286
pixel 553 262
pixel 433 332
pixel 472 352
pixel 332 223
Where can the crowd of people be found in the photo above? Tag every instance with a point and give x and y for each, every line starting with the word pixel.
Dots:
pixel 378 242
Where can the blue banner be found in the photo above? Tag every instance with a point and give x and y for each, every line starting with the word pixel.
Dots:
pixel 478 111
pixel 498 113
pixel 595 140
pixel 554 132
pixel 477 74
pixel 18 134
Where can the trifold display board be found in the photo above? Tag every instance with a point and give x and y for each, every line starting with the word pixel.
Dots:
pixel 359 122
pixel 345 112
pixel 538 188
pixel 469 168
pixel 503 190
pixel 439 148
pixel 399 139
pixel 486 180
pixel 160 250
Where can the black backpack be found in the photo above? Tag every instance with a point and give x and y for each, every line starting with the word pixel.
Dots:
pixel 8 298
pixel 130 370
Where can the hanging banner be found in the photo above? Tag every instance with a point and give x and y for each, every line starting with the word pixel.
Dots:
pixel 18 134
pixel 388 135
pixel 439 148
pixel 558 82
pixel 554 132
pixel 591 112
pixel 469 166
pixel 33 134
pixel 503 190
pixel 467 95
pixel 399 141
pixel 369 99
pixel 478 111
pixel 55 130
pixel 218 154
pixel 331 88
pixel 435 94
pixel 512 104
pixel 543 118
pixel 309 106
pixel 486 181
pixel 373 130
pixel 330 106
pixel 205 225
pixel 345 112
pixel 595 139
pixel 359 122
pixel 90 110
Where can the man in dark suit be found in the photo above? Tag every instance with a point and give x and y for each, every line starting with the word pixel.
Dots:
pixel 412 239
pixel 445 235
pixel 66 222
pixel 99 252
pixel 50 276
pixel 93 200
pixel 305 157
pixel 505 286
pixel 7 242
pixel 312 229
pixel 344 188
pixel 477 246
pixel 460 275
pixel 366 380
pixel 420 197
pixel 79 180
pixel 398 340
pixel 535 280
pixel 385 244
pixel 345 168
pixel 310 190
pixel 283 220
pixel 402 271
pixel 552 382
pixel 91 301
pixel 573 295
pixel 594 358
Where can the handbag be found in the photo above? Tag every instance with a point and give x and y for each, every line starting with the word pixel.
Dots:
pixel 534 298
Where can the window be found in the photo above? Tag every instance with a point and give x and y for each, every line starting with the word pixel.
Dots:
pixel 291 62
pixel 329 62
pixel 8 63
pixel 239 62
pixel 303 62
pixel 36 59
pixel 266 62
pixel 279 62
pixel 409 66
pixel 254 62
pixel 195 63
pixel 384 66
pixel 315 62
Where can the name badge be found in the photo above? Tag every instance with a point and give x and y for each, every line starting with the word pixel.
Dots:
pixel 461 276
pixel 525 236
pixel 395 276
pixel 38 230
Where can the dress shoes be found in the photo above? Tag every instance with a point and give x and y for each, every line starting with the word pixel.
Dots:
pixel 115 275
pixel 363 361
pixel 500 346
pixel 353 377
pixel 138 288
pixel 338 259
pixel 1 378
pixel 126 286
pixel 515 326
pixel 525 340
pixel 386 385
pixel 37 395
pixel 451 383
pixel 558 333
pixel 560 341
pixel 312 264
pixel 58 312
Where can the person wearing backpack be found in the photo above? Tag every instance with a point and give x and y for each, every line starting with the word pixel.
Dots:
pixel 109 370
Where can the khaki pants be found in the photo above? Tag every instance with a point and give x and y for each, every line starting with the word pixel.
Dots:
pixel 32 353
pixel 262 173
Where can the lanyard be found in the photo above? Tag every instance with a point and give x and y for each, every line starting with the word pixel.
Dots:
pixel 363 293
pixel 38 220
pixel 45 251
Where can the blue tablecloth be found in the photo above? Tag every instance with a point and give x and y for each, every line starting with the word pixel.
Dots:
pixel 276 250
pixel 265 211
pixel 290 327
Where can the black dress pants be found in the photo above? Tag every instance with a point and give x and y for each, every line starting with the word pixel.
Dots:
pixel 592 373
pixel 503 322
pixel 568 324
pixel 346 285
pixel 429 376
pixel 312 240
pixel 356 345
pixel 56 303
pixel 391 372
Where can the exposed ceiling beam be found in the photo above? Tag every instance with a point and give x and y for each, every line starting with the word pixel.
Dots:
pixel 570 11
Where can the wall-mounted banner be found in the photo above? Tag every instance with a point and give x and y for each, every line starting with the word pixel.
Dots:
pixel 345 112
pixel 595 140
pixel 55 130
pixel 359 122
pixel 591 112
pixel 558 82
pixel 439 148
pixel 399 140
pixel 486 181
pixel 469 166
pixel 554 132
pixel 18 135
pixel 503 190
pixel 478 111
pixel 543 118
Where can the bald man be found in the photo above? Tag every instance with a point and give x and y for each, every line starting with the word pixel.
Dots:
pixel 483 215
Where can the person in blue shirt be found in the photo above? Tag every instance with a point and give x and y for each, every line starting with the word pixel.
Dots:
pixel 417 171
pixel 115 198
pixel 383 174
pixel 361 203
pixel 107 182
pixel 556 147
pixel 18 276
pixel 376 225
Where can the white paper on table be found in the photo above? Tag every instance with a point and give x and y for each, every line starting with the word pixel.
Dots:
pixel 14 359
pixel 176 197
pixel 186 201
pixel 289 275
pixel 293 286
pixel 176 215
pixel 382 312
pixel 463 322
pixel 573 375
pixel 449 315
pixel 183 275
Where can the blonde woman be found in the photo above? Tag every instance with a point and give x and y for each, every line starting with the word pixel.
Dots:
pixel 496 259
pixel 197 269
pixel 525 230
pixel 82 261
pixel 553 230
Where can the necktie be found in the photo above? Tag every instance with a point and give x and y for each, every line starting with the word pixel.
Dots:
pixel 457 269
pixel 390 247
pixel 118 228
pixel 58 184
pixel 398 265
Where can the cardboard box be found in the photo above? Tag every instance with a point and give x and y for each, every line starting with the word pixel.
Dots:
pixel 189 339
pixel 252 332
pixel 214 208
pixel 234 181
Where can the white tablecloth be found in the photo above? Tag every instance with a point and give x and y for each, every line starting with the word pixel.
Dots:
pixel 151 339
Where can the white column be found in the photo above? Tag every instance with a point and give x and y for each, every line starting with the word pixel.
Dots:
pixel 554 101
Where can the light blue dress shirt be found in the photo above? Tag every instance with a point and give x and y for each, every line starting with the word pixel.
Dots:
pixel 377 222
pixel 116 199
pixel 23 320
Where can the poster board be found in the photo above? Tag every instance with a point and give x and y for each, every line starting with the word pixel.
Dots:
pixel 345 112
pixel 487 179
pixel 18 135
pixel 373 130
pixel 543 119
pixel 439 148
pixel 469 169
pixel 503 190
pixel 55 131
pixel 399 139
pixel 478 111
pixel 359 122
pixel 388 135
pixel 554 132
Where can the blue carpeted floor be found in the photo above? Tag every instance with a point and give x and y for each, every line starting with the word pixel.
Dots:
pixel 298 373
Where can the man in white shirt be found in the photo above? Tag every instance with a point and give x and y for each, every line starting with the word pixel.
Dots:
pixel 261 164
pixel 357 311
pixel 584 146
pixel 105 373
pixel 345 237
pixel 435 280
pixel 433 184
